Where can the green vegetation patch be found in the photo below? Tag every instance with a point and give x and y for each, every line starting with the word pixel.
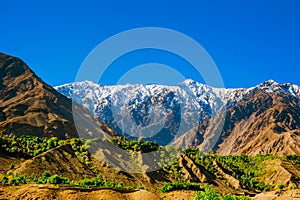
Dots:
pixel 210 193
pixel 294 159
pixel 135 145
pixel 180 186
pixel 30 146
pixel 96 182
pixel 27 146
pixel 247 169
pixel 205 192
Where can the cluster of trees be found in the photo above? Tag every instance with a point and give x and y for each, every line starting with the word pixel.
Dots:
pixel 205 192
pixel 27 146
pixel 209 193
pixel 247 169
pixel 174 171
pixel 80 148
pixel 135 145
pixel 13 179
pixel 99 182
pixel 30 146
pixel 180 186
pixel 294 159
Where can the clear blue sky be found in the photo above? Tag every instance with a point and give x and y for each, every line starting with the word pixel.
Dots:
pixel 250 41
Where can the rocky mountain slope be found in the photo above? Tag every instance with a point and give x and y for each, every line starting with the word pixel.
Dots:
pixel 29 106
pixel 263 123
pixel 231 121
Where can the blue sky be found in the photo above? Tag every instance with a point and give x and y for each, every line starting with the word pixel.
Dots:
pixel 250 41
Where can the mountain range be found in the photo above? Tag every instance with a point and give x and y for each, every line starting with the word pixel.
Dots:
pixel 258 120
pixel 261 119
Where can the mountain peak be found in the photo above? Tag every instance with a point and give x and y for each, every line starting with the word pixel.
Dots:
pixel 267 84
pixel 190 82
pixel 89 83
pixel 12 67
pixel 271 86
pixel 270 82
pixel 29 106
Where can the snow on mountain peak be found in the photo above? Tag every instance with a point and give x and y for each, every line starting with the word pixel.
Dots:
pixel 187 89
pixel 188 82
pixel 189 101
pixel 272 86
pixel 271 81
pixel 268 83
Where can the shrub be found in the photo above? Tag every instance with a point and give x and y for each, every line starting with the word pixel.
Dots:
pixel 12 179
pixel 180 186
pixel 280 186
pixel 292 186
pixel 56 179
pixel 93 182
pixel 139 187
pixel 44 178
pixel 234 197
pixel 135 145
pixel 210 193
pixel 294 159
pixel 120 185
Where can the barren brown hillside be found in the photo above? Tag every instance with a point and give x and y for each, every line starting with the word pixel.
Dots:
pixel 29 106
pixel 262 123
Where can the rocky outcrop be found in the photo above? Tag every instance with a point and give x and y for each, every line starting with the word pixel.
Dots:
pixel 190 170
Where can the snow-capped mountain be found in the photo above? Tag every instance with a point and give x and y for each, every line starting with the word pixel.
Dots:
pixel 161 113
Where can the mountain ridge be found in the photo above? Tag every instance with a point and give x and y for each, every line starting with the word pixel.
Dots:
pixel 187 105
